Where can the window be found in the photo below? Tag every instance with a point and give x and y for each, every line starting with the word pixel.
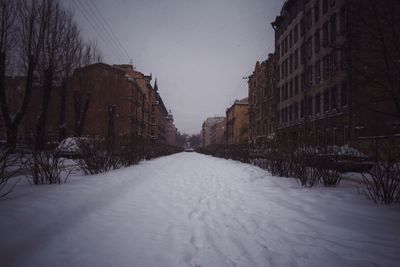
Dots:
pixel 296 84
pixel 302 109
pixel 286 44
pixel 286 67
pixel 332 2
pixel 334 61
pixel 303 53
pixel 291 88
pixel 303 81
pixel 302 27
pixel 278 50
pixel 296 111
pixel 325 34
pixel 333 28
pixel 318 71
pixel 310 75
pixel 286 114
pixel 309 19
pixel 324 6
pixel 343 58
pixel 343 95
pixel 316 10
pixel 282 70
pixel 291 63
pixel 318 104
pixel 317 41
pixel 296 33
pixel 278 99
pixel 326 67
pixel 286 91
pixel 326 100
pixel 309 48
pixel 296 58
pixel 309 106
pixel 290 113
pixel 291 39
pixel 343 21
pixel 333 97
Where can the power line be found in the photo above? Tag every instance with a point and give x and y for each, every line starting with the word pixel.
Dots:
pixel 96 29
pixel 105 31
pixel 106 37
pixel 112 32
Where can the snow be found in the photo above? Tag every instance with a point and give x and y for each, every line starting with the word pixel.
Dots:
pixel 194 210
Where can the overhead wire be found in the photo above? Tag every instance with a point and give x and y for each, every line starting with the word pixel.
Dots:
pixel 110 29
pixel 98 31
pixel 99 23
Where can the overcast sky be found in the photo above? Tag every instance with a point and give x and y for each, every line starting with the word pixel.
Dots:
pixel 199 50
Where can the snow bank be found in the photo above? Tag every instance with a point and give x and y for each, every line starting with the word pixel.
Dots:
pixel 194 210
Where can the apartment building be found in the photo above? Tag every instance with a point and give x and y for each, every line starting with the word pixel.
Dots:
pixel 237 122
pixel 321 97
pixel 262 101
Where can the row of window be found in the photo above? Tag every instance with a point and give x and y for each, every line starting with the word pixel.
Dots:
pixel 322 70
pixel 329 34
pixel 315 105
pixel 306 21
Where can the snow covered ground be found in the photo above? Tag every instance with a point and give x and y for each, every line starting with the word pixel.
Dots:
pixel 194 210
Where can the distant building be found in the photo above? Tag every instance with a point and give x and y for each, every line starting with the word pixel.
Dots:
pixel 208 134
pixel 171 130
pixel 237 122
pixel 218 133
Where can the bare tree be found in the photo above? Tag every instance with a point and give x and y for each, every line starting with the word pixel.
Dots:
pixel 55 19
pixel 69 61
pixel 88 53
pixel 376 54
pixel 28 36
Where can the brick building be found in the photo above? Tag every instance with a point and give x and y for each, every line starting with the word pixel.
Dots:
pixel 122 102
pixel 325 94
pixel 117 104
pixel 101 100
pixel 262 101
pixel 237 122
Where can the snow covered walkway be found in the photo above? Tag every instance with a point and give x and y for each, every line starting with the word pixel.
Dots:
pixel 194 210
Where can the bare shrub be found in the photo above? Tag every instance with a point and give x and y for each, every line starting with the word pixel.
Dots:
pixel 381 183
pixel 43 167
pixel 96 157
pixel 330 177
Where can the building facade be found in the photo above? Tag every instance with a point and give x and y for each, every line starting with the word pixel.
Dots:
pixel 101 100
pixel 208 131
pixel 322 96
pixel 262 101
pixel 237 122
pixel 218 133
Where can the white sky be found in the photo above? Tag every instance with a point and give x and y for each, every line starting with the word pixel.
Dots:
pixel 199 50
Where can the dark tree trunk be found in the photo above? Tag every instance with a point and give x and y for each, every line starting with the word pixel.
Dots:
pixel 41 123
pixel 62 127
